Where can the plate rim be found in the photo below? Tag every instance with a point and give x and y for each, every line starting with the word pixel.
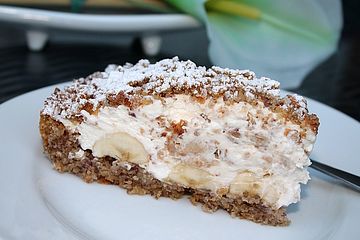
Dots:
pixel 96 22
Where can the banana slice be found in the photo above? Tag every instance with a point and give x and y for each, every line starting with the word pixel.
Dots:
pixel 190 176
pixel 244 182
pixel 121 146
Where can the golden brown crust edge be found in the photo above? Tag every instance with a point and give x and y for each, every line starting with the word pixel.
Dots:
pixel 58 142
pixel 132 85
pixel 276 104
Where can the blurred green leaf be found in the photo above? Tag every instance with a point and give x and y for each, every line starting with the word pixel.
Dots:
pixel 76 5
pixel 283 39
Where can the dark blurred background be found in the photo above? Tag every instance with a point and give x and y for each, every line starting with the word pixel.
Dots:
pixel 336 82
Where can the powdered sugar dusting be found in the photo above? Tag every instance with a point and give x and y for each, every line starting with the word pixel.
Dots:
pixel 168 75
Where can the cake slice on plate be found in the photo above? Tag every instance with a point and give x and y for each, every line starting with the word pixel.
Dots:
pixel 224 137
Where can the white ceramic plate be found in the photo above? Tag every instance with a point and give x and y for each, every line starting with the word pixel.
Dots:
pixel 36 202
pixel 95 22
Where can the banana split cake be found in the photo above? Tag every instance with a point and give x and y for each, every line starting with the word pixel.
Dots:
pixel 223 137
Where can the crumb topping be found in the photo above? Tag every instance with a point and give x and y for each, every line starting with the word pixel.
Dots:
pixel 130 85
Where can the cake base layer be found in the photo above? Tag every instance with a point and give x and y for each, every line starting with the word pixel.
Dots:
pixel 62 147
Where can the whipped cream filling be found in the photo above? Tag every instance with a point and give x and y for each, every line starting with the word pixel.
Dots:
pixel 234 148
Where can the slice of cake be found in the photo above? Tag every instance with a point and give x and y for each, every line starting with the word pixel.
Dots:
pixel 223 137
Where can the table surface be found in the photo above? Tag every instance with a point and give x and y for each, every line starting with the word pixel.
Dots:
pixel 336 82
